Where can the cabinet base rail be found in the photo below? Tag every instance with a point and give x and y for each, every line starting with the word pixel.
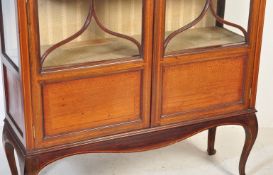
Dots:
pixel 32 164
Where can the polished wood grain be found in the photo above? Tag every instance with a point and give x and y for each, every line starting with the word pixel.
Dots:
pixel 202 85
pixel 14 105
pixel 256 46
pixel 198 77
pixel 25 75
pixel 251 132
pixel 77 105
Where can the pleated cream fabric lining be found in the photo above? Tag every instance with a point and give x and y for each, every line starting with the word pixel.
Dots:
pixel 58 19
pixel 182 12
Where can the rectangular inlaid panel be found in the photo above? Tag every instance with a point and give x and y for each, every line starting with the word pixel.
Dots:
pixel 91 103
pixel 14 103
pixel 202 85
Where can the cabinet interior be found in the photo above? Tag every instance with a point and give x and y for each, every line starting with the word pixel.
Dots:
pixel 205 33
pixel 60 19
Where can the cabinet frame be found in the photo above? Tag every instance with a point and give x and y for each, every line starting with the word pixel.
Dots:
pixel 193 55
pixel 80 71
pixel 34 153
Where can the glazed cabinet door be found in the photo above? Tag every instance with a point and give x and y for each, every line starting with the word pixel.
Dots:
pixel 11 64
pixel 92 66
pixel 203 57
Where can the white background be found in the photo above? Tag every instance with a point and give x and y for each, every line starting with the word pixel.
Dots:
pixel 265 90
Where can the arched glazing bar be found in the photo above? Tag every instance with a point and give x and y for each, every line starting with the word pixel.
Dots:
pixel 91 14
pixel 208 6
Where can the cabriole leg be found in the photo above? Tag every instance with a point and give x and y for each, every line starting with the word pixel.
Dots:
pixel 251 130
pixel 9 150
pixel 27 166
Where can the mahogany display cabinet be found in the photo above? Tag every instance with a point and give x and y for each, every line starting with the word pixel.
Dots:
pixel 115 76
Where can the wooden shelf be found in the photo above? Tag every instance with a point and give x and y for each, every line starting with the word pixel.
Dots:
pixel 115 48
pixel 90 51
pixel 203 37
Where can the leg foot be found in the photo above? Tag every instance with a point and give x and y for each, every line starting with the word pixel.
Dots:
pixel 251 130
pixel 211 141
pixel 27 166
pixel 9 150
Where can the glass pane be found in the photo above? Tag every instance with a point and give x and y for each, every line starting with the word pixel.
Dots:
pixel 192 24
pixel 238 13
pixel 10 30
pixel 114 31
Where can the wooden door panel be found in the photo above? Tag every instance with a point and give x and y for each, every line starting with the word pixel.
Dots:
pixel 88 100
pixel 14 102
pixel 202 85
pixel 77 105
pixel 201 70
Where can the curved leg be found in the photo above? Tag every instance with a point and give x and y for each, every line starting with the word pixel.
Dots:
pixel 9 150
pixel 251 130
pixel 211 141
pixel 28 166
pixel 32 164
